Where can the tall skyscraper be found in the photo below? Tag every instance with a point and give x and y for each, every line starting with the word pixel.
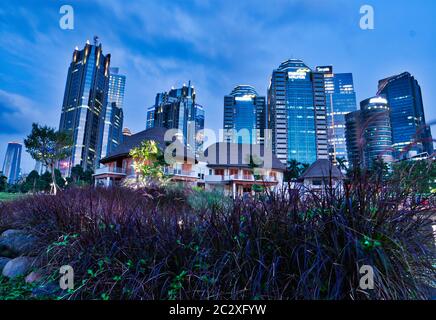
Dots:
pixel 114 117
pixel 199 128
pixel 150 118
pixel 297 113
pixel 369 133
pixel 12 162
pixel 177 109
pixel 244 116
pixel 410 134
pixel 340 100
pixel 354 138
pixel 84 105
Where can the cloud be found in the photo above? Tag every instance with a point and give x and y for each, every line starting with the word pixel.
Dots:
pixel 16 113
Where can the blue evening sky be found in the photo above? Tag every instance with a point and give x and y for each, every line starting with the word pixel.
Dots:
pixel 216 44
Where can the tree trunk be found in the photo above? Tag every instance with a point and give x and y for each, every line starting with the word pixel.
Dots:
pixel 53 177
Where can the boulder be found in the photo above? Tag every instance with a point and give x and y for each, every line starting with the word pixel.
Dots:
pixel 16 242
pixel 11 232
pixel 3 262
pixel 17 267
pixel 46 291
pixel 33 277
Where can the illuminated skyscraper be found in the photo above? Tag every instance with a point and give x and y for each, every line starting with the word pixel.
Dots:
pixel 113 124
pixel 177 109
pixel 84 105
pixel 340 100
pixel 12 162
pixel 369 133
pixel 150 118
pixel 297 113
pixel 244 116
pixel 410 133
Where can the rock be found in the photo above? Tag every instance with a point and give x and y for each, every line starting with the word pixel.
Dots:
pixel 17 267
pixel 33 277
pixel 14 243
pixel 3 262
pixel 11 232
pixel 48 290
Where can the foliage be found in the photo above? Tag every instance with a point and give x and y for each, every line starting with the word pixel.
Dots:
pixel 48 146
pixel 419 175
pixel 149 161
pixel 174 243
pixel 3 183
pixel 294 169
pixel 15 289
pixel 80 177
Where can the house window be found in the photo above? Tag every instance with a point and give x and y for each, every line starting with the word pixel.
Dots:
pixel 317 182
pixel 219 172
pixel 233 172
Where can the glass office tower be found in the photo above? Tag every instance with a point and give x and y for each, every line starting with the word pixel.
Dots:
pixel 150 118
pixel 369 133
pixel 340 100
pixel 410 134
pixel 244 116
pixel 297 113
pixel 84 105
pixel 177 109
pixel 12 162
pixel 113 124
pixel 199 128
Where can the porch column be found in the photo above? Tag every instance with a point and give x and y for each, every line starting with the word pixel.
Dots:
pixel 234 190
pixel 108 181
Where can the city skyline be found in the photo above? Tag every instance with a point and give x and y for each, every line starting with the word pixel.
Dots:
pixel 159 59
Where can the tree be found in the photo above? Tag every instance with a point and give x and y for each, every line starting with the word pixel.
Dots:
pixel 79 177
pixel 31 182
pixel 149 161
pixel 417 176
pixel 48 146
pixel 3 183
pixel 342 164
pixel 292 170
pixel 379 168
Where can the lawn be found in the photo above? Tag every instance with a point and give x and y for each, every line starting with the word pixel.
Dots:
pixel 5 196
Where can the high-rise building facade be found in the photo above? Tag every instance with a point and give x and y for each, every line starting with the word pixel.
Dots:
pixel 177 109
pixel 354 139
pixel 150 118
pixel 114 117
pixel 199 128
pixel 244 116
pixel 84 104
pixel 12 162
pixel 369 133
pixel 296 113
pixel 410 134
pixel 340 100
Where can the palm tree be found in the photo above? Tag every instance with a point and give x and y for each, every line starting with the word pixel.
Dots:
pixel 303 168
pixel 342 164
pixel 293 169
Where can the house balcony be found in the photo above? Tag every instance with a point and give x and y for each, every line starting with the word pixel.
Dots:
pixel 237 177
pixel 109 171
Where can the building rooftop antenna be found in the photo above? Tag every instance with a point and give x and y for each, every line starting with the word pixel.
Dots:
pixel 96 40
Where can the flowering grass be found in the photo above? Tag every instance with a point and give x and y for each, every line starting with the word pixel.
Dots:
pixel 177 243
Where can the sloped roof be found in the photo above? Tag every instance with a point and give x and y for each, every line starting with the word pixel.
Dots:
pixel 130 142
pixel 322 168
pixel 226 154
